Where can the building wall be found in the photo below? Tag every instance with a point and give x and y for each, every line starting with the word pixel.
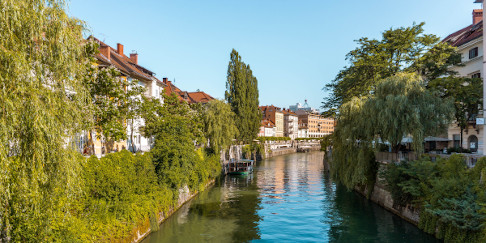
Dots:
pixel 291 126
pixel 468 137
pixel 303 133
pixel 474 65
pixel 317 125
pixel 270 132
pixel 279 124
pixel 261 133
pixel 471 66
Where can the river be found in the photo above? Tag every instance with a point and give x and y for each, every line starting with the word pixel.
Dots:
pixel 287 199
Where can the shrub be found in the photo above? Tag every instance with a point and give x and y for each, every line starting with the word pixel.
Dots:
pixel 451 197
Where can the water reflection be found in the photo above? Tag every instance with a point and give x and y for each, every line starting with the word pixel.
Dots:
pixel 287 198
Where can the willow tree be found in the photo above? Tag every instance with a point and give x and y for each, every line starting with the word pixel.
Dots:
pixel 402 106
pixel 43 59
pixel 219 124
pixel 242 94
pixel 399 106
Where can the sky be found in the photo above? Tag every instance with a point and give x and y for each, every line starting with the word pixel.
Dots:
pixel 294 47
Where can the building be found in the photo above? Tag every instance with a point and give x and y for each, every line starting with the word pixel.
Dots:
pixel 130 71
pixel 314 125
pixel 303 131
pixel 305 107
pixel 291 124
pixel 276 116
pixel 189 97
pixel 267 129
pixel 469 43
pixel 310 123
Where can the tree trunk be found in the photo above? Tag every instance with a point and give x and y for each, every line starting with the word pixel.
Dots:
pixel 460 145
pixel 92 143
pixel 131 136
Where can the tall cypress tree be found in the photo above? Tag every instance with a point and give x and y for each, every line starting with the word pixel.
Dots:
pixel 242 94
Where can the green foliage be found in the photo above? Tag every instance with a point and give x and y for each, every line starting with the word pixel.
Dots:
pixel 399 50
pixel 107 91
pixel 458 150
pixel 43 61
pixel 467 94
pixel 264 139
pixel 400 106
pixel 176 127
pixel 219 124
pixel 242 94
pixel 449 195
pixel 133 107
pixel 122 190
pixel 50 91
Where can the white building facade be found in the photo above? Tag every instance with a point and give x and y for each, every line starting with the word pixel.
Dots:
pixel 469 43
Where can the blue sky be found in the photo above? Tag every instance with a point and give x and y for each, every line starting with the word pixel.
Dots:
pixel 294 47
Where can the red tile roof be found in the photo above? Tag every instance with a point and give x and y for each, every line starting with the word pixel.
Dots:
pixel 199 97
pixel 267 123
pixel 274 108
pixel 288 112
pixel 123 63
pixel 465 35
pixel 189 97
pixel 171 88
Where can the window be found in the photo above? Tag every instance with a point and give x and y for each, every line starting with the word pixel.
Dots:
pixel 457 140
pixel 476 75
pixel 473 53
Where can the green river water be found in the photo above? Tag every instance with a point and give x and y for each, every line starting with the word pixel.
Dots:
pixel 287 199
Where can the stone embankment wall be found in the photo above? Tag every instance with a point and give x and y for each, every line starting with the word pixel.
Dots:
pixel 276 148
pixel 185 195
pixel 381 196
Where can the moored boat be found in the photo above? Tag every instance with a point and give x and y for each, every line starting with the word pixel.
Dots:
pixel 240 167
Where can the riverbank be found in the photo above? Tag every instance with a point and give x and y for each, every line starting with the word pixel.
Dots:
pixel 287 197
pixel 185 195
pixel 381 196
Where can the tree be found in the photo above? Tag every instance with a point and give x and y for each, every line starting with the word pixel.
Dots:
pixel 134 108
pixel 107 91
pixel 219 124
pixel 242 94
pixel 400 106
pixel 467 94
pixel 175 133
pixel 43 61
pixel 399 50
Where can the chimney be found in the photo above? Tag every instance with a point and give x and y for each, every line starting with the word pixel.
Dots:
pixel 477 16
pixel 164 80
pixel 105 51
pixel 119 48
pixel 134 57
